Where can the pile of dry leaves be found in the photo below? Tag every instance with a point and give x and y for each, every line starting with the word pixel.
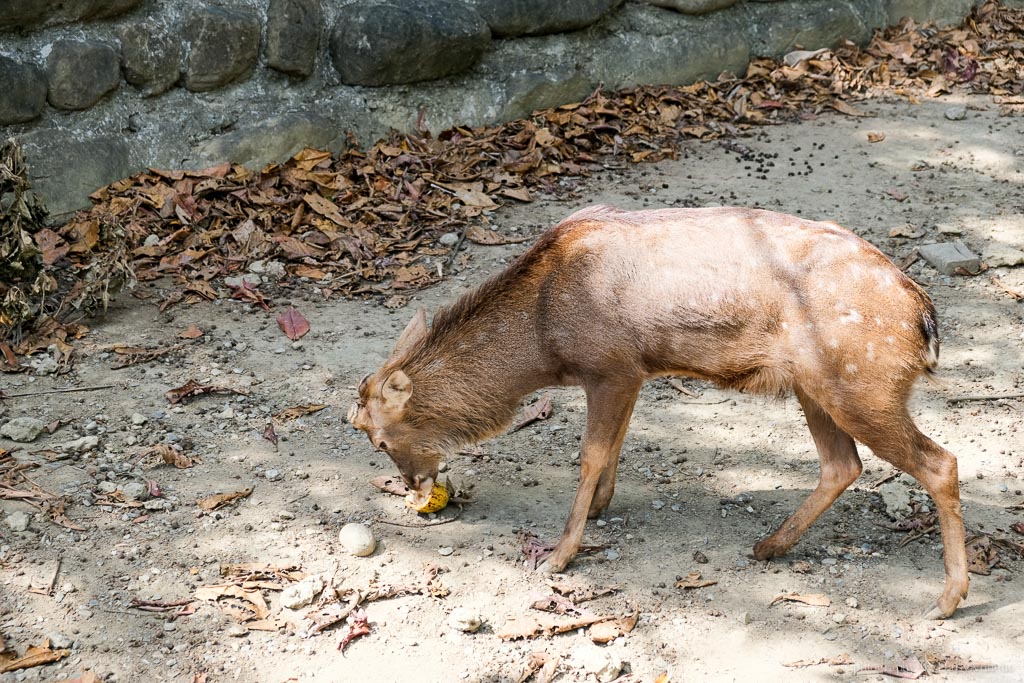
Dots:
pixel 366 223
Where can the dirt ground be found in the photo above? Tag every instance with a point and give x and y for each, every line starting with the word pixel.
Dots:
pixel 702 478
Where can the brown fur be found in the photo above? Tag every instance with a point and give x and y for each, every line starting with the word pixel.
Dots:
pixel 752 300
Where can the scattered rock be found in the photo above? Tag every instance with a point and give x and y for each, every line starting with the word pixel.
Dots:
pixel 998 255
pixel 138 419
pixel 81 445
pixel 302 593
pixel 465 619
pixel 80 72
pixel 612 554
pixel 23 429
pixel 449 239
pixel 357 539
pixel 151 57
pixel 106 487
pixel 225 45
pixel 237 631
pixel 852 603
pixel 59 641
pixel 947 257
pixel 445 550
pixel 272 475
pixel 745 618
pixel 602 662
pixel 19 521
pixel 896 499
pixel 839 618
pixel 393 43
pixel 658 504
pixel 24 88
pixel 169 627
pixel 135 491
pixel 293 35
pixel 956 112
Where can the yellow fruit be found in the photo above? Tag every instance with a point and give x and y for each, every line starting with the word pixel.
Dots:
pixel 437 500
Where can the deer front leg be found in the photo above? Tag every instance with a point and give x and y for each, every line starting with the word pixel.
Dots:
pixel 609 407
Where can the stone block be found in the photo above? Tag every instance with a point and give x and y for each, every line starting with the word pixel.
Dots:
pixel 694 6
pixel 24 91
pixel 31 13
pixel 774 29
pixel 537 17
pixel 81 72
pixel 272 140
pixel 293 35
pixel 947 257
pixel 150 56
pixel 388 44
pixel 65 169
pixel 224 46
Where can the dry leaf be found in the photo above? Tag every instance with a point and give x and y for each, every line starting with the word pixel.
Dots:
pixel 390 484
pixel 838 660
pixel 293 324
pixel 910 668
pixel 270 433
pixel 846 108
pixel 221 499
pixel 535 625
pixel 538 410
pixel 814 599
pixel 482 235
pixel 191 332
pixel 193 388
pixel 298 411
pixel 357 626
pixel 541 667
pixel 607 631
pixel 35 655
pixel 170 456
pixel 240 603
pixel 875 137
pixel 1018 527
pixel 693 580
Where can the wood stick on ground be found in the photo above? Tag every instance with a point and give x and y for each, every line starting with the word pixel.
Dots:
pixel 58 391
pixel 984 397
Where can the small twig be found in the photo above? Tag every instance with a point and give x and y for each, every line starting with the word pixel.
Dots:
pixel 914 535
pixel 458 245
pixel 889 477
pixel 421 526
pixel 706 403
pixel 678 386
pixel 59 391
pixel 48 590
pixel 984 397
pixel 298 498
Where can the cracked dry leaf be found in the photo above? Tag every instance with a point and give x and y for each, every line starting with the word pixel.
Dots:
pixel 35 655
pixel 607 631
pixel 293 324
pixel 298 411
pixel 538 410
pixel 240 603
pixel 693 580
pixel 219 500
pixel 192 388
pixel 813 599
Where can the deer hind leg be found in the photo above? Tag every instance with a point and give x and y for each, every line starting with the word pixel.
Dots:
pixel 935 468
pixel 840 467
pixel 605 487
pixel 609 407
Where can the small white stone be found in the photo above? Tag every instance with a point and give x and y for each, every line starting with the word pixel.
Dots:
pixel 139 419
pixel 23 429
pixel 602 662
pixel 86 443
pixel 226 414
pixel 449 239
pixel 852 603
pixel 19 521
pixel 465 619
pixel 302 593
pixel 658 504
pixel 357 539
pixel 272 475
pixel 445 550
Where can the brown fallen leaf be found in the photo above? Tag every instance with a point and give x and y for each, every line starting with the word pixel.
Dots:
pixel 191 332
pixel 982 556
pixel 270 434
pixel 541 667
pixel 133 355
pixel 247 292
pixel 390 484
pixel 693 580
pixel 896 193
pixel 237 602
pixel 192 388
pixel 35 655
pixel 607 631
pixel 357 626
pixel 170 456
pixel 396 301
pixel 578 593
pixel 813 599
pixel 1013 293
pixel 875 137
pixel 1018 527
pixel 481 235
pixel 293 324
pixel 956 663
pixel 838 660
pixel 538 410
pixel 844 107
pixel 910 668
pixel 199 677
pixel 800 566
pixel 545 624
pixel 299 411
pixel 221 499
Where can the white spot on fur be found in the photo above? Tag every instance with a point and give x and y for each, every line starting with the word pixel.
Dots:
pixel 852 317
pixel 851 368
pixel 871 350
pixel 878 321
pixel 905 325
pixel 785 326
pixel 890 339
pixel 834 343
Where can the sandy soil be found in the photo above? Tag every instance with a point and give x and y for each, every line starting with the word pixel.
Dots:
pixel 708 475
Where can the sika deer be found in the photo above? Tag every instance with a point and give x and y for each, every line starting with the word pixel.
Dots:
pixel 754 300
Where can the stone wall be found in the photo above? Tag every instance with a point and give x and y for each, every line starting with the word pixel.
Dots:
pixel 100 89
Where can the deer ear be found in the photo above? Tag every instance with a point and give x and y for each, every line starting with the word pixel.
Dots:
pixel 413 332
pixel 396 390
